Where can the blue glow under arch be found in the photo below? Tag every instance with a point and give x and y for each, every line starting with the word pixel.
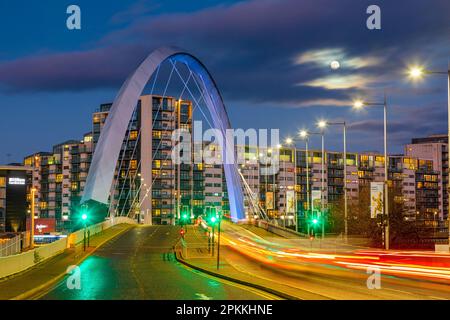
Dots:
pixel 101 172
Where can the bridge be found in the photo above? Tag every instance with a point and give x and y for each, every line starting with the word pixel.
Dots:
pixel 211 259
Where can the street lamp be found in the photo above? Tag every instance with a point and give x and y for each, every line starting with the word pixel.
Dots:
pixel 33 193
pixel 344 125
pixel 418 72
pixel 84 218
pixel 359 104
pixel 322 124
pixel 290 141
pixel 304 135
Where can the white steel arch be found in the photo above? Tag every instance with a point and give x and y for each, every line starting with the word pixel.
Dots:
pixel 101 172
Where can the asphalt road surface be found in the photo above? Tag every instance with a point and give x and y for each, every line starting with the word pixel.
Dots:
pixel 140 264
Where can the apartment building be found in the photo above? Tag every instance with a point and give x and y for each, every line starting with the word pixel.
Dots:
pixel 14 198
pixel 435 148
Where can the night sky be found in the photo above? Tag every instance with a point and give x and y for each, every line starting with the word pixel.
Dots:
pixel 270 59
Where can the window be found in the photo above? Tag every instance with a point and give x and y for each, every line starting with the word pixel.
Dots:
pixel 133 164
pixel 74 186
pixel 156 134
pixel 2 181
pixel 59 178
pixel 133 135
pixel 43 205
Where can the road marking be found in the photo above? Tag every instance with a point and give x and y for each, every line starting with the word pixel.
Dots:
pixel 263 294
pixel 202 296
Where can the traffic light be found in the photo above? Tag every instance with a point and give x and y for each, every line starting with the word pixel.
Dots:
pixel 84 216
pixel 212 219
pixel 315 221
pixel 182 232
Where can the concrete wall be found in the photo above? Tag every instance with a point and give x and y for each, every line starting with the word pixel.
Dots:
pixel 20 262
pixel 283 232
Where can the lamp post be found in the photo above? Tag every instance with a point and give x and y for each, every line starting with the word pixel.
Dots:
pixel 33 193
pixel 322 125
pixel 358 105
pixel 304 135
pixel 84 218
pixel 279 146
pixel 213 222
pixel 344 125
pixel 417 73
pixel 290 141
pixel 218 240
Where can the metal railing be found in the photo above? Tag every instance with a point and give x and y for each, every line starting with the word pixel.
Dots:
pixel 10 246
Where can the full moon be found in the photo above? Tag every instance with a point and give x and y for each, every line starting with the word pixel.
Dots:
pixel 334 65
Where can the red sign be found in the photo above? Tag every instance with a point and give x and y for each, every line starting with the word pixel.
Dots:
pixel 43 225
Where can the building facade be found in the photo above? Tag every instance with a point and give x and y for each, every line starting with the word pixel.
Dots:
pixel 149 186
pixel 434 148
pixel 15 183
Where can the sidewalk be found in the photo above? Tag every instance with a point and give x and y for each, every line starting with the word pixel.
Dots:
pixel 29 282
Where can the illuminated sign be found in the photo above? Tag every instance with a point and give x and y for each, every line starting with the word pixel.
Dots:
pixel 39 227
pixel 16 181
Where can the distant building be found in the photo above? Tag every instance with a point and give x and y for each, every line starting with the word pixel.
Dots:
pixel 435 148
pixel 155 192
pixel 14 197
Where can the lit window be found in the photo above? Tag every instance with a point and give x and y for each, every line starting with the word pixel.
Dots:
pixel 133 135
pixel 133 164
pixel 156 134
pixel 59 178
pixel 2 181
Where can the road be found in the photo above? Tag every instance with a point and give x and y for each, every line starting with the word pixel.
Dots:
pixel 140 264
pixel 404 275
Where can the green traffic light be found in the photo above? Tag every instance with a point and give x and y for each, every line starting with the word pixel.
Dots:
pixel 84 216
pixel 315 221
pixel 213 219
pixel 185 216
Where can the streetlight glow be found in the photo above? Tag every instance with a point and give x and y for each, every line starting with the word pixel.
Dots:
pixel 289 141
pixel 358 104
pixel 322 124
pixel 416 72
pixel 303 133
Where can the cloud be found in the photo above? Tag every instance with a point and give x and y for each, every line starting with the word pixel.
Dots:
pixel 71 71
pixel 249 48
pixel 322 103
pixel 134 11
pixel 339 82
pixel 322 58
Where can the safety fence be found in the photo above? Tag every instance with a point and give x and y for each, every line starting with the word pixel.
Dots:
pixel 10 246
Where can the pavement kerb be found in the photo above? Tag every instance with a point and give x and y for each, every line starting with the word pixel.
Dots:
pixel 32 292
pixel 241 282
